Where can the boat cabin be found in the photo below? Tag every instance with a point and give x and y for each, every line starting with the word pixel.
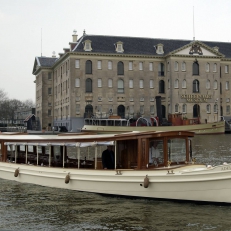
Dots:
pixel 133 150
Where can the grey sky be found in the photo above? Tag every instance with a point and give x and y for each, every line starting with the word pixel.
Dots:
pixel 21 22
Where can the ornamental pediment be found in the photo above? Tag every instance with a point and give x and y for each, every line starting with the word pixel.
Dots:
pixel 197 49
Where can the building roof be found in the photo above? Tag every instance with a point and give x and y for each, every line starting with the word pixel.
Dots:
pixel 143 46
pixel 46 61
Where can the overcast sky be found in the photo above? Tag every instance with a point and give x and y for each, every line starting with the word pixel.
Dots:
pixel 21 22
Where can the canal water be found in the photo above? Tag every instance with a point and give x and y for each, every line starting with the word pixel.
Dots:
pixel 30 207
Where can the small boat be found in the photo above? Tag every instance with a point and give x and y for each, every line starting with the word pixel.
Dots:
pixel 73 161
pixel 115 124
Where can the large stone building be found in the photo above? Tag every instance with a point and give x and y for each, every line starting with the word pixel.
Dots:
pixel 113 75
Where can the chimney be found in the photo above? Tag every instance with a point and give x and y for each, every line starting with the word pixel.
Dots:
pixel 53 54
pixel 74 36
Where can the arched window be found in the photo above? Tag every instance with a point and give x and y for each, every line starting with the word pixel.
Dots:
pixel 176 66
pixel 184 108
pixel 195 86
pixel 120 68
pixel 120 88
pixel 183 66
pixel 208 108
pixel 176 83
pixel 88 85
pixel 177 108
pixel 168 66
pixel 214 67
pixel 161 86
pixel 195 68
pixel 215 84
pixel 184 83
pixel 208 84
pixel 88 67
pixel 161 69
pixel 207 67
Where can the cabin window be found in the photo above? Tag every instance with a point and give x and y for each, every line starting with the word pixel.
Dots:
pixel 177 151
pixel 156 154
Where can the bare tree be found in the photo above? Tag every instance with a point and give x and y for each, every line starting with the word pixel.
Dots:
pixel 3 95
pixel 28 103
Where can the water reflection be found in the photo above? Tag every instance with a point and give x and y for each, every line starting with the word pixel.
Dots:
pixel 30 207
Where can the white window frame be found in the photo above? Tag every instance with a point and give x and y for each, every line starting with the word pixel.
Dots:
pixel 226 69
pixel 207 67
pixel 110 83
pixel 227 85
pixel 151 83
pixel 141 66
pixel 77 63
pixel 99 82
pixel 214 67
pixel 99 64
pixel 176 83
pixel 130 83
pixel 151 66
pixel 109 65
pixel 176 108
pixel 77 82
pixel 130 66
pixel 183 66
pixel 141 83
pixel 184 108
pixel 176 66
pixel 184 83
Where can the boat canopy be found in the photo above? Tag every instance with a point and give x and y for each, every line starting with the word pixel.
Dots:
pixel 71 144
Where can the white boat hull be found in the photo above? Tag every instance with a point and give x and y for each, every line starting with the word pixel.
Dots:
pixel 194 182
pixel 202 129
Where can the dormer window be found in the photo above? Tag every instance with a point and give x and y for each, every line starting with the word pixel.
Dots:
pixel 216 48
pixel 160 49
pixel 87 45
pixel 119 47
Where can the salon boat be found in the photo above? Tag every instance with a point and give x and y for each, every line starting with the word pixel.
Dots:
pixel 119 125
pixel 72 161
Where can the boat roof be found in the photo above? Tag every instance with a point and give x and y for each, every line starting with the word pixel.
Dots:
pixel 71 139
